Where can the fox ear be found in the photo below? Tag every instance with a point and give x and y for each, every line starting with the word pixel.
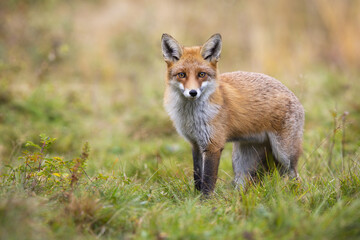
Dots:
pixel 211 50
pixel 171 49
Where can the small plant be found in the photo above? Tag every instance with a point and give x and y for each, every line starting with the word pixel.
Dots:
pixel 40 172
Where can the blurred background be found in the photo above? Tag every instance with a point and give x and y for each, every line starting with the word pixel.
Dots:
pixel 93 71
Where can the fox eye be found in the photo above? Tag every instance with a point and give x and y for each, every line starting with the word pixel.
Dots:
pixel 201 74
pixel 181 75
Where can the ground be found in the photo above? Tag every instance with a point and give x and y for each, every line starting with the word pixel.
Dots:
pixel 93 72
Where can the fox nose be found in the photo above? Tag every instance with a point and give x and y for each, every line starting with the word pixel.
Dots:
pixel 193 93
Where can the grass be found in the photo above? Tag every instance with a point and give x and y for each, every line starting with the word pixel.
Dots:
pixel 161 203
pixel 92 72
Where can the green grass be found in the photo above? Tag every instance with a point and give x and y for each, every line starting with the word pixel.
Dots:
pixel 149 195
pixel 137 181
pixel 161 203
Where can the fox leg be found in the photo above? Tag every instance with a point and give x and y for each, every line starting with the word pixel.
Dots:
pixel 246 159
pixel 211 160
pixel 286 151
pixel 198 163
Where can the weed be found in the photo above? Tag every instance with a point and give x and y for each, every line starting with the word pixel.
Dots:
pixel 39 172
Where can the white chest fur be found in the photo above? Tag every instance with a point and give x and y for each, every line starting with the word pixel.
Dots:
pixel 192 118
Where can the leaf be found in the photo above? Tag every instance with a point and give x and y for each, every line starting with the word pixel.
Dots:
pixel 30 143
pixel 101 176
pixel 56 174
pixel 9 166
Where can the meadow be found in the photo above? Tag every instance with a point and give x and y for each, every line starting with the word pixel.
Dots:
pixel 87 150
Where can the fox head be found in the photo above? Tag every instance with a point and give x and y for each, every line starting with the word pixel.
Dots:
pixel 192 71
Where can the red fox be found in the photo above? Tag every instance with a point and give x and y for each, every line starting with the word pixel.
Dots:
pixel 254 111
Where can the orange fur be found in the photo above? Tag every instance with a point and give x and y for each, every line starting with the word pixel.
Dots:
pixel 246 106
